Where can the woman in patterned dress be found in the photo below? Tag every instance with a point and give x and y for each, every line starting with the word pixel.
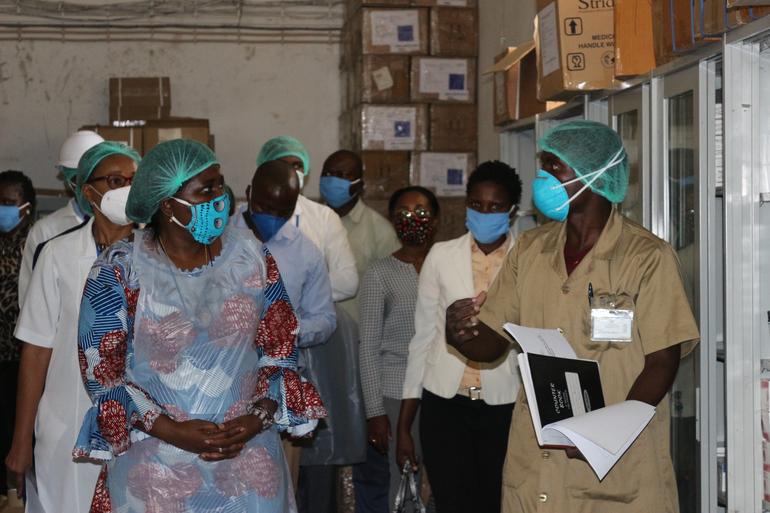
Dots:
pixel 187 347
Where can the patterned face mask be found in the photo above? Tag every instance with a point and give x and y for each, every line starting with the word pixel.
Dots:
pixel 414 228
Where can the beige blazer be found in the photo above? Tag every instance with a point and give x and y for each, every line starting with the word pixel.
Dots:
pixel 447 276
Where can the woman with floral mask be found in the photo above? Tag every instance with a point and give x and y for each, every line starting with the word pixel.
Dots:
pixel 386 302
pixel 465 408
pixel 52 400
pixel 187 347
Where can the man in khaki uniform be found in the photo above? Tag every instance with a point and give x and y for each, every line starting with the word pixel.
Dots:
pixel 548 281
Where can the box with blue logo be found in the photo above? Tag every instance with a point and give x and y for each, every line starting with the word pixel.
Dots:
pixel 437 80
pixel 443 173
pixel 394 31
pixel 392 127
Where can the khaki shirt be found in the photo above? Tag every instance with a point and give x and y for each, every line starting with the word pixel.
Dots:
pixel 533 290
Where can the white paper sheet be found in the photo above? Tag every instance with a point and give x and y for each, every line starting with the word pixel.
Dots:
pixel 382 78
pixel 549 39
pixel 604 435
pixel 540 341
pixel 391 127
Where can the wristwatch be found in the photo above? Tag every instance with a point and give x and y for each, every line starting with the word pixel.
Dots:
pixel 264 415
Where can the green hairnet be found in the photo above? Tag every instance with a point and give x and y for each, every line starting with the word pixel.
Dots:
pixel 588 146
pixel 284 146
pixel 91 160
pixel 162 173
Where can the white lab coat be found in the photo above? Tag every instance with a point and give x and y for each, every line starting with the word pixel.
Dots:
pixel 46 228
pixel 49 318
pixel 323 226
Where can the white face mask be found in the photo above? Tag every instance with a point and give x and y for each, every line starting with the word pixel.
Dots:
pixel 113 205
pixel 301 176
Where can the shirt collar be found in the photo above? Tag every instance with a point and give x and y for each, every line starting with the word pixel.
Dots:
pixel 605 246
pixel 357 212
pixel 502 249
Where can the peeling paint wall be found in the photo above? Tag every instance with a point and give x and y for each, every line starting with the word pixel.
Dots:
pixel 248 92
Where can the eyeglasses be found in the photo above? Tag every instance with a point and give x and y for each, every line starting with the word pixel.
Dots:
pixel 418 212
pixel 114 181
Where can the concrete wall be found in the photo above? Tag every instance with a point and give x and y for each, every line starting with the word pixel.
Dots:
pixel 502 23
pixel 250 92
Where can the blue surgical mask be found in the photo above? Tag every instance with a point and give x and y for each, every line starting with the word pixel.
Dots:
pixel 10 217
pixel 550 196
pixel 336 191
pixel 208 219
pixel 267 224
pixel 487 227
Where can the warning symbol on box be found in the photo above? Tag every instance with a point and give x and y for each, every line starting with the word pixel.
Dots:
pixel 608 59
pixel 573 26
pixel 576 61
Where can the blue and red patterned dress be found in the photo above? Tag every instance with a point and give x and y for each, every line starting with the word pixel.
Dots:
pixel 204 344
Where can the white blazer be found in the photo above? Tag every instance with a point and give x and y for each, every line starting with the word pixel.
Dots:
pixel 446 276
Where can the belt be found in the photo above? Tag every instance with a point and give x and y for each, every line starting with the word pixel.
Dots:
pixel 472 393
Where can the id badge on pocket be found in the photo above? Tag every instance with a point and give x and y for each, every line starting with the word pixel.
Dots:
pixel 610 322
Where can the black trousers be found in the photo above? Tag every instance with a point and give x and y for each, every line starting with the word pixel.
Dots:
pixel 463 445
pixel 9 373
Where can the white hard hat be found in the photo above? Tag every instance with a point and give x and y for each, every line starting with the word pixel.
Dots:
pixel 76 145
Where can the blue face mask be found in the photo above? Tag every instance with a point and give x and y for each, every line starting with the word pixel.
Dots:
pixel 550 196
pixel 267 225
pixel 10 217
pixel 487 228
pixel 336 191
pixel 208 219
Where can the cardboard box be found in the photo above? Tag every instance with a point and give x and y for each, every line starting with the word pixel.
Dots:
pixel 515 84
pixel 446 174
pixel 384 173
pixel 387 31
pixel 445 3
pixel 682 25
pixel 139 98
pixel 381 79
pixel 155 132
pixel 575 47
pixel 439 79
pixel 663 43
pixel 130 136
pixel 634 47
pixel 391 127
pixel 454 32
pixel 454 128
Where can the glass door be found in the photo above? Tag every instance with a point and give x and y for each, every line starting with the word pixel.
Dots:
pixel 684 198
pixel 629 114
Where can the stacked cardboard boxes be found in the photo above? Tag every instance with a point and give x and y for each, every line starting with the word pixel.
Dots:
pixel 409 73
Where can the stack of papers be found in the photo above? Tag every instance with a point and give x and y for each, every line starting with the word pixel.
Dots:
pixel 566 401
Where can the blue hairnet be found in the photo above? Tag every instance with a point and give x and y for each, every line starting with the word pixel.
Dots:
pixel 91 160
pixel 588 146
pixel 284 146
pixel 162 173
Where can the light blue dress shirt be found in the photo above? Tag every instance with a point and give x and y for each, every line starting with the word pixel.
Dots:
pixel 306 279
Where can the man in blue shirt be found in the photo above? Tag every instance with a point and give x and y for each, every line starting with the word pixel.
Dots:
pixel 272 196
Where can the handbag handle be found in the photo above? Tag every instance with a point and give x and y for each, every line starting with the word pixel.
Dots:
pixel 407 481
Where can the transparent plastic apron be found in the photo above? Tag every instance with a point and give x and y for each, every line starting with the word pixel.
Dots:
pixel 194 354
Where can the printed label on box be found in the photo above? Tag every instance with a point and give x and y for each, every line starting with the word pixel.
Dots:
pixel 169 134
pixel 445 173
pixel 445 77
pixel 389 128
pixel 549 39
pixel 453 3
pixel 587 43
pixel 382 78
pixel 400 30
